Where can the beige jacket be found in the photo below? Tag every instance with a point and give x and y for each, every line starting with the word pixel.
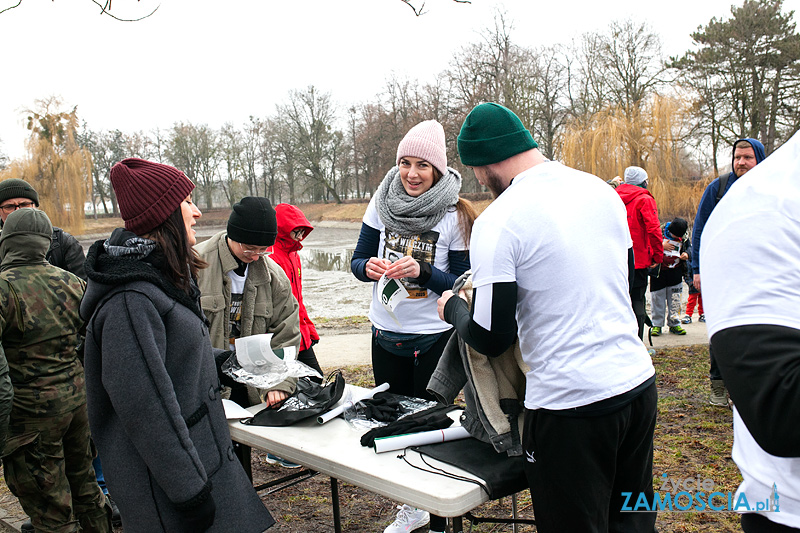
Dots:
pixel 268 305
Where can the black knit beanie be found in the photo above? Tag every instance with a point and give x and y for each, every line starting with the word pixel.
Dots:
pixel 678 227
pixel 17 188
pixel 253 222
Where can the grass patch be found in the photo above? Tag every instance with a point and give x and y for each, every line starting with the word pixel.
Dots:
pixel 692 438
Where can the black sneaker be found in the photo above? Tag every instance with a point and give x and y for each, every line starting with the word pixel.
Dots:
pixel 686 319
pixel 702 318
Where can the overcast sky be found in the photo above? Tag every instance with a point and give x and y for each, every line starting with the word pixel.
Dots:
pixel 211 62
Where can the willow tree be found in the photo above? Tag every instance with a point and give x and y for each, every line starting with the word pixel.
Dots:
pixel 57 167
pixel 612 139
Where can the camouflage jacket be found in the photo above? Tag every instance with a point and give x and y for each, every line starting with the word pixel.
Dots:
pixel 41 332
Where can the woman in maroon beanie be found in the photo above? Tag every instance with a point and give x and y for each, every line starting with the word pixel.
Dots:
pixel 153 392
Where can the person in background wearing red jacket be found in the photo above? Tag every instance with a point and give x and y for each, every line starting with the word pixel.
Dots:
pixel 293 227
pixel 648 251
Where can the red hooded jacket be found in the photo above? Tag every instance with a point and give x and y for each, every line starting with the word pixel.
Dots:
pixel 284 252
pixel 644 225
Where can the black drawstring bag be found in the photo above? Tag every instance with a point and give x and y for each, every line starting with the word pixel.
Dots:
pixel 309 400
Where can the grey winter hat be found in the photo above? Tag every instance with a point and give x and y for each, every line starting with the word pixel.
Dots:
pixel 27 222
pixel 253 222
pixel 17 188
pixel 635 175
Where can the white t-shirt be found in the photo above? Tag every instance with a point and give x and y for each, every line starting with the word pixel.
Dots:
pixel 237 289
pixel 562 236
pixel 750 260
pixel 418 312
pixel 750 249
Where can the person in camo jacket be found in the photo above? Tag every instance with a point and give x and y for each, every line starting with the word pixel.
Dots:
pixel 41 332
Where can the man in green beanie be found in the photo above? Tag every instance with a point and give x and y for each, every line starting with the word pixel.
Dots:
pixel 65 251
pixel 550 264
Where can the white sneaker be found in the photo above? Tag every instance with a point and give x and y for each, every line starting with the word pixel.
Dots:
pixel 408 519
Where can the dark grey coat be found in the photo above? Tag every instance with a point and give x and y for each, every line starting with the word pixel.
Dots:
pixel 154 405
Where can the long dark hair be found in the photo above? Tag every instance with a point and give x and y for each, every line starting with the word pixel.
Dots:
pixel 181 260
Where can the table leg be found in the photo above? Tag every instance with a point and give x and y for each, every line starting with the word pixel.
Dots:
pixel 337 518
pixel 243 454
pixel 514 527
pixel 458 525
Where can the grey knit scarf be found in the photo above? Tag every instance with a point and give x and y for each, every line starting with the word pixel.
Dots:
pixel 409 215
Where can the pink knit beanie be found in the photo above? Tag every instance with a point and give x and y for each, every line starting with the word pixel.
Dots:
pixel 425 141
pixel 148 193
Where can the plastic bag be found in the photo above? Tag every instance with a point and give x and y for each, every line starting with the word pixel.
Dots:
pixel 309 400
pixel 270 374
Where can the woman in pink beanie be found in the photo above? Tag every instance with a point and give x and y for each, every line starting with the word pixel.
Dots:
pixel 415 231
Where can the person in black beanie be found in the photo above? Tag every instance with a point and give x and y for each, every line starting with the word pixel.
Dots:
pixel 245 293
pixel 65 251
pixel 666 284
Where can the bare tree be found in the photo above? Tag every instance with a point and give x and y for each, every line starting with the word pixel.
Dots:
pixel 193 149
pixel 105 9
pixel 310 116
pixel 231 148
pixel 419 7
pixel 106 148
pixel 251 141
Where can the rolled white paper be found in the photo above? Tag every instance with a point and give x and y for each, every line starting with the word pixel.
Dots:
pixel 398 442
pixel 366 395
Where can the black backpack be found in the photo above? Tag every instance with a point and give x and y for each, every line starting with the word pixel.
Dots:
pixel 310 399
pixel 723 184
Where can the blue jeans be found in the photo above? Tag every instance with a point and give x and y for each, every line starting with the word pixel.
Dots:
pixel 98 472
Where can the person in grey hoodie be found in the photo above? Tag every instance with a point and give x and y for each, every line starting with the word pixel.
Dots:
pixel 154 394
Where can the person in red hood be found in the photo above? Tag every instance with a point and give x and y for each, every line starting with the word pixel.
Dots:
pixel 293 227
pixel 648 251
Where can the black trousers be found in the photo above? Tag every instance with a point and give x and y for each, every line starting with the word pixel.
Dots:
pixel 308 357
pixel 713 370
pixel 578 467
pixel 638 292
pixel 756 523
pixel 410 376
pixel 407 375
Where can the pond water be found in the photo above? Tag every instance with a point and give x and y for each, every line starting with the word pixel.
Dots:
pixel 329 289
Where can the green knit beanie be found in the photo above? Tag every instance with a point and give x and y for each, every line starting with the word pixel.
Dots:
pixel 17 188
pixel 492 133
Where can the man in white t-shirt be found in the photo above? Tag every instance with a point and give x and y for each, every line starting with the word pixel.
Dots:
pixel 751 301
pixel 550 259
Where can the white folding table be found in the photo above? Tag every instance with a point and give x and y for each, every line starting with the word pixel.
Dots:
pixel 334 449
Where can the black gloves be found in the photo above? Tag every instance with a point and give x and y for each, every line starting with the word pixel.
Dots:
pixel 199 517
pixel 382 407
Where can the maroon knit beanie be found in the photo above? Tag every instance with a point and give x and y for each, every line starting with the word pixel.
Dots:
pixel 148 193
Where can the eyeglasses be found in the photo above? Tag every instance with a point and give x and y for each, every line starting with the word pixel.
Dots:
pixel 258 252
pixel 10 208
